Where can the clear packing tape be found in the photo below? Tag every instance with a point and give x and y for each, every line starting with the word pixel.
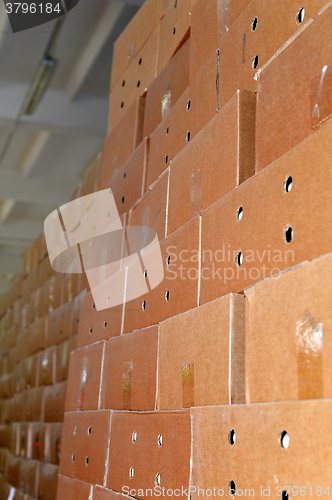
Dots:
pixel 321 96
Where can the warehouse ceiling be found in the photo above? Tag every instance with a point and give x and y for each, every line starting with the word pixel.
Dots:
pixel 50 151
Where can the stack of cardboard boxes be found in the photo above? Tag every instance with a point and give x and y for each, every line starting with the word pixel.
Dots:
pixel 39 321
pixel 215 382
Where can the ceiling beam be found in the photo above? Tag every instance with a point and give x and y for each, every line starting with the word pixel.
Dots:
pixel 91 51
pixel 6 207
pixel 35 148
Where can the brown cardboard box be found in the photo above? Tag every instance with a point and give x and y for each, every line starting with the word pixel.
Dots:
pixel 210 21
pixel 53 453
pixel 84 445
pixel 291 360
pixel 4 452
pixel 14 440
pixel 159 439
pixel 55 402
pixel 62 358
pixel 45 271
pixel 29 476
pixel 69 488
pixel 76 306
pixel 166 89
pixel 97 325
pixel 134 36
pixel 42 248
pixel 34 404
pixel 245 50
pixel 116 151
pixel 48 478
pixel 262 447
pixel 135 80
pixel 60 324
pixel 13 469
pixel 282 122
pixel 129 182
pixel 101 493
pixel 174 30
pixel 218 159
pixel 5 436
pixel 178 291
pixel 131 376
pixel 86 378
pixel 23 439
pixel 151 210
pixel 47 366
pixel 38 437
pixel 37 335
pixel 70 287
pixel 273 221
pixel 18 407
pixel 193 110
pixel 202 356
pixel 32 370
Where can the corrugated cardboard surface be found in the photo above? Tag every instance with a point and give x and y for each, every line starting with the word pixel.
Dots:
pixel 131 377
pixel 174 30
pixel 291 360
pixel 69 488
pixel 257 459
pixel 128 184
pixel 151 210
pixel 219 158
pixel 166 89
pixel 101 493
pixel 135 80
pixel 201 356
pixel 60 325
pixel 85 435
pixel 170 460
pixel 62 358
pixel 97 325
pixel 29 476
pixel 268 213
pixel 193 110
pixel 134 36
pixel 284 120
pixel 178 291
pixel 37 335
pixel 276 24
pixel 47 366
pixel 116 151
pixel 86 378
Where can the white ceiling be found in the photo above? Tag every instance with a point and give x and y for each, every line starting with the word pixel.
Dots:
pixel 51 149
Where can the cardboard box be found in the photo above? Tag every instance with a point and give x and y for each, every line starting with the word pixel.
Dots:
pixel 34 405
pixel 210 21
pixel 4 452
pixel 151 210
pixel 148 450
pixel 53 453
pixel 55 396
pixel 282 122
pixel 5 436
pixel 281 440
pixel 45 271
pixel 193 110
pixel 174 30
pixel 70 287
pixel 47 366
pixel 84 445
pixel 134 36
pixel 177 292
pixel 60 324
pixel 166 89
pixel 38 437
pixel 131 376
pixel 258 34
pixel 62 358
pixel 129 182
pixel 116 151
pixel 218 159
pixel 69 488
pixel 101 493
pixel 86 378
pixel 273 221
pixel 18 407
pixel 202 356
pixel 97 325
pixel 48 479
pixel 135 80
pixel 37 334
pixel 23 439
pixel 292 361
pixel 13 469
pixel 32 370
pixel 29 476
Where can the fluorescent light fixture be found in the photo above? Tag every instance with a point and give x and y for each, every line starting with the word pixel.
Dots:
pixel 39 85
